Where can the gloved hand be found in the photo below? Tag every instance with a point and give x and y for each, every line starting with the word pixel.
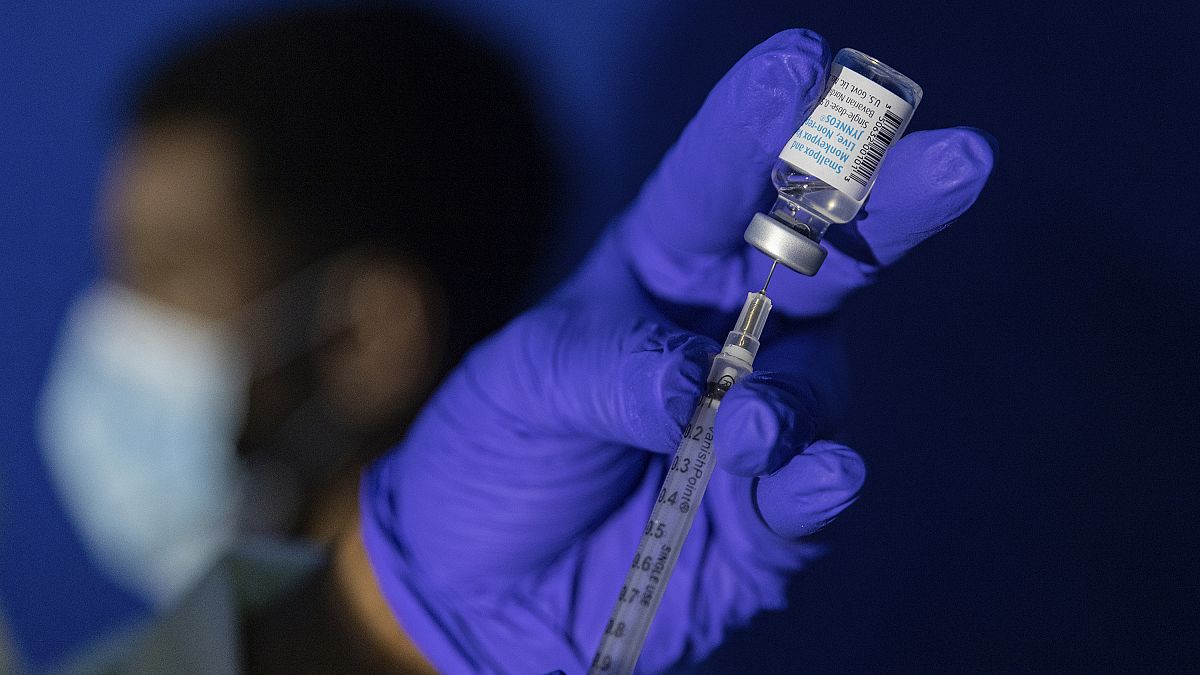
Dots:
pixel 502 528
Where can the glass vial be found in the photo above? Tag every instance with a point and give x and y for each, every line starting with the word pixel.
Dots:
pixel 828 167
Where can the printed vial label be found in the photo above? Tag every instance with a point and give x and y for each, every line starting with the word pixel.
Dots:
pixel 845 137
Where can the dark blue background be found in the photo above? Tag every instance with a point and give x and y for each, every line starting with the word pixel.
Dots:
pixel 1026 383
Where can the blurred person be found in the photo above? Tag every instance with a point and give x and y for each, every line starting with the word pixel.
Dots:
pixel 308 217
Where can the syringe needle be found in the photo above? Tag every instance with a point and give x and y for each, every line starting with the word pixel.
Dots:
pixel 768 281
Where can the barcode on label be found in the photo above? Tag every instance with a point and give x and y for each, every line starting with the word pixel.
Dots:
pixel 880 140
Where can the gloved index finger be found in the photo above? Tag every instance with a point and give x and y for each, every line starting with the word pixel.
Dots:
pixel 567 371
pixel 710 183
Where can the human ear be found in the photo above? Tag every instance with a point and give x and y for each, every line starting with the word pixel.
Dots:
pixel 394 330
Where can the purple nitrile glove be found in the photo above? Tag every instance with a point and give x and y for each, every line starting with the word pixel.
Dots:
pixel 502 528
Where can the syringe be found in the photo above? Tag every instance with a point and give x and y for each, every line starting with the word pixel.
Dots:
pixel 679 499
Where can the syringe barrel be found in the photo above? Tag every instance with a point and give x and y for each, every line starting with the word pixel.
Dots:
pixel 678 502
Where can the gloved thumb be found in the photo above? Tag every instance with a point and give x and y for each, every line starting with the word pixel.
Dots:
pixel 699 199
pixel 693 210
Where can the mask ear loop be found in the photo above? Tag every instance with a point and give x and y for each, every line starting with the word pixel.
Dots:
pixel 291 304
pixel 308 449
pixel 310 445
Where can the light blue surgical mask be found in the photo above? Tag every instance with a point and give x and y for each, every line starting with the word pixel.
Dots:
pixel 138 420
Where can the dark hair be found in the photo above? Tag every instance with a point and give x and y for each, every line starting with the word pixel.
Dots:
pixel 377 126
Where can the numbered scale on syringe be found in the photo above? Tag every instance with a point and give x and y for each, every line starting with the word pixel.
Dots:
pixel 678 500
pixel 674 510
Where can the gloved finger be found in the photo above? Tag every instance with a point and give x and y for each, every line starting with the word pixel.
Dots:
pixel 810 490
pixel 926 181
pixel 713 179
pixel 764 421
pixel 579 374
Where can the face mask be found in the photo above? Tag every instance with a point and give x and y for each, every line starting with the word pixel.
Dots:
pixel 138 421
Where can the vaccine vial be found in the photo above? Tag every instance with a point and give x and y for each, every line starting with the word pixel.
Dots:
pixel 828 167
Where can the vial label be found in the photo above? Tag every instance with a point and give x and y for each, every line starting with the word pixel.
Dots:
pixel 844 139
